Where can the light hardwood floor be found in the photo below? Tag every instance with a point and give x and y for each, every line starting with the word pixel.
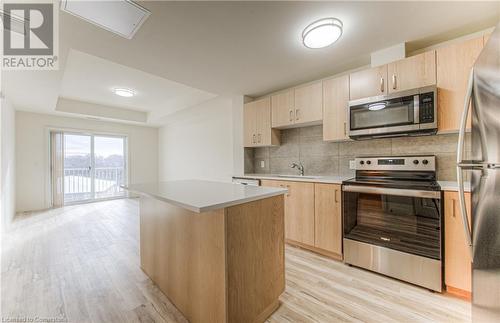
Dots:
pixel 81 264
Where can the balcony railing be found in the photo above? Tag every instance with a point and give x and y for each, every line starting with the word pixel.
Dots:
pixel 78 183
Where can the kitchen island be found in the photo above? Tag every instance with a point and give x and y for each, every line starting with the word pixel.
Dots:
pixel 216 250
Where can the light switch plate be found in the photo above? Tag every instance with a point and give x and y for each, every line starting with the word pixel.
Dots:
pixel 352 164
pixel 262 164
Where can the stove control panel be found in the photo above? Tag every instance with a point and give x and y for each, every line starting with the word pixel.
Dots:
pixel 410 163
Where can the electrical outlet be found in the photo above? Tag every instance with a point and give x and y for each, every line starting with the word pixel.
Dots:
pixel 262 164
pixel 352 164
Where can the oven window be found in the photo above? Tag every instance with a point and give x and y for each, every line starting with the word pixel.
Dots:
pixel 408 224
pixel 396 112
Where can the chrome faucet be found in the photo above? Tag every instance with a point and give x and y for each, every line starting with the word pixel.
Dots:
pixel 299 166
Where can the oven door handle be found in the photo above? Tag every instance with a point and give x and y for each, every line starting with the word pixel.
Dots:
pixel 392 191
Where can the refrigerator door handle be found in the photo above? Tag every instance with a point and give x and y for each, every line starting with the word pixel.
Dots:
pixel 460 162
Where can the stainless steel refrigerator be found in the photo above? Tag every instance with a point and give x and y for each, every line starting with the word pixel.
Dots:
pixel 483 94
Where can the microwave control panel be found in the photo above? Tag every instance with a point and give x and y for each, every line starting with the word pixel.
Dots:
pixel 427 107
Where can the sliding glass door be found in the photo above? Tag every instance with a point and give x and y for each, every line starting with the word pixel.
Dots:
pixel 94 167
pixel 109 166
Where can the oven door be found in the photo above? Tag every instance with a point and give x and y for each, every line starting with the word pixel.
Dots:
pixel 397 115
pixel 400 219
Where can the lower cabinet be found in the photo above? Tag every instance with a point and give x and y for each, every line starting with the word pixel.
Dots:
pixel 312 215
pixel 328 217
pixel 457 259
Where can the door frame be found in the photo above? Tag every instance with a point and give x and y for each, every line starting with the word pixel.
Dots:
pixel 48 177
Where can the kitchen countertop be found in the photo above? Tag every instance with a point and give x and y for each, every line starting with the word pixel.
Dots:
pixel 202 196
pixel 445 185
pixel 452 186
pixel 313 179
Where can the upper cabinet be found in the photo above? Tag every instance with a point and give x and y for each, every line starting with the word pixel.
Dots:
pixel 454 64
pixel 283 109
pixel 257 124
pixel 335 101
pixel 301 105
pixel 369 82
pixel 309 103
pixel 412 72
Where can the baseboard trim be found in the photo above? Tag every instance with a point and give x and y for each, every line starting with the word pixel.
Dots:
pixel 460 293
pixel 320 251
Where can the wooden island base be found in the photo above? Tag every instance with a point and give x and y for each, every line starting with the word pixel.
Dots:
pixel 225 265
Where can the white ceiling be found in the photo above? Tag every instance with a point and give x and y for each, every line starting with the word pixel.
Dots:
pixel 233 48
pixel 92 79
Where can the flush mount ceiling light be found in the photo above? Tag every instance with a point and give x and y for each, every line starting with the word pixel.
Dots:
pixel 322 33
pixel 127 93
pixel 377 106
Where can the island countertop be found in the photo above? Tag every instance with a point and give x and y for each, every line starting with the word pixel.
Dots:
pixel 202 196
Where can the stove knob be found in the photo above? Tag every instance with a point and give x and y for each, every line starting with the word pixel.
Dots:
pixel 425 161
pixel 368 162
pixel 362 162
pixel 415 161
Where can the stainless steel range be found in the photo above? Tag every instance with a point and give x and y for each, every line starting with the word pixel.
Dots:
pixel 392 216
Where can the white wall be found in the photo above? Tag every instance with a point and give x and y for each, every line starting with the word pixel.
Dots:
pixel 203 142
pixel 8 163
pixel 32 153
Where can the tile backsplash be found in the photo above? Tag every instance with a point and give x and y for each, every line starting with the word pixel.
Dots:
pixel 332 158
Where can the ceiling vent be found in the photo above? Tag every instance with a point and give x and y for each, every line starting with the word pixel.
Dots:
pixel 122 17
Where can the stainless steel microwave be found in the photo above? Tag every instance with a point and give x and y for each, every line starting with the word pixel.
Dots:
pixel 407 113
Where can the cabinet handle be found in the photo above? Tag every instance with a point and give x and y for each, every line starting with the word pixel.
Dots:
pixel 288 188
pixel 259 140
pixel 381 84
pixel 253 139
pixel 394 82
pixel 297 114
pixel 291 115
pixel 453 206
pixel 345 129
pixel 336 200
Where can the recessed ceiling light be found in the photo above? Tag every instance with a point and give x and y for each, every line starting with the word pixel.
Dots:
pixel 322 33
pixel 124 92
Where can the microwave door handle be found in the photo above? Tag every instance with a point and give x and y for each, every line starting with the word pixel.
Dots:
pixel 460 155
pixel 416 109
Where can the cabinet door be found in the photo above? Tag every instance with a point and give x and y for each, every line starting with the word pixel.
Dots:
pixel 300 212
pixel 257 124
pixel 367 83
pixel 309 103
pixel 454 64
pixel 412 72
pixel 457 262
pixel 335 101
pixel 249 125
pixel 328 218
pixel 263 122
pixel 281 184
pixel 282 109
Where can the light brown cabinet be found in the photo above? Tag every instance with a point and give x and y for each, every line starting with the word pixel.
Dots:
pixel 257 124
pixel 367 83
pixel 454 64
pixel 412 72
pixel 335 102
pixel 328 217
pixel 457 261
pixel 308 103
pixel 299 210
pixel 313 218
pixel 283 109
